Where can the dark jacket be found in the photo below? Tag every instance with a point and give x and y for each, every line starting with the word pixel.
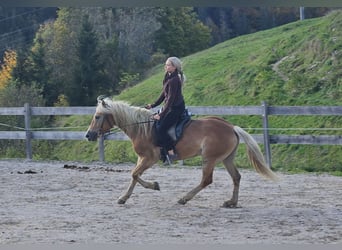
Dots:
pixel 171 94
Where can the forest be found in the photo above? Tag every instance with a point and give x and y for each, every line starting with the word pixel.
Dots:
pixel 68 56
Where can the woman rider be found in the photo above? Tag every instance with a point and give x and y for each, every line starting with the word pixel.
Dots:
pixel 173 107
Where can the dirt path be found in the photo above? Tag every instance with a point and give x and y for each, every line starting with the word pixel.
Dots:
pixel 43 202
pixel 275 68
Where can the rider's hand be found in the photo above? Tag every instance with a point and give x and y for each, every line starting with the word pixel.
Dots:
pixel 156 117
pixel 148 106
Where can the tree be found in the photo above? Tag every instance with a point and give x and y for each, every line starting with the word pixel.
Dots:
pixel 181 33
pixel 136 28
pixel 10 62
pixel 38 73
pixel 218 19
pixel 89 80
pixel 18 26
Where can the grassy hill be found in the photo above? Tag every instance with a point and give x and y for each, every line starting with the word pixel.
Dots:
pixel 295 64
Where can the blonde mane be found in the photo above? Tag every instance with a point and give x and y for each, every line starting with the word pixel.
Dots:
pixel 132 120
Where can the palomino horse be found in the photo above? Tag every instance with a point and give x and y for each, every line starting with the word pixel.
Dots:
pixel 213 138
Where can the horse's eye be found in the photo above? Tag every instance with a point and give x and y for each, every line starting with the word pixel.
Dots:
pixel 97 117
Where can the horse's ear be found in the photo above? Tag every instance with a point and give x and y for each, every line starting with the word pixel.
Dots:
pixel 100 98
pixel 104 104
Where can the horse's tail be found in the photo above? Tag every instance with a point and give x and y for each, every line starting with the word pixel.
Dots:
pixel 254 154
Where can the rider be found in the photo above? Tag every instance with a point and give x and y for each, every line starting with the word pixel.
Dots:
pixel 174 104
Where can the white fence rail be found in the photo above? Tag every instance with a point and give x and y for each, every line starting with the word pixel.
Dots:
pixel 264 111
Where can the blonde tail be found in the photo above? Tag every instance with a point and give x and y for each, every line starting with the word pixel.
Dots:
pixel 254 154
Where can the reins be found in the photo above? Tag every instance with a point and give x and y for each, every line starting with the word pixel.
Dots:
pixel 128 125
pixel 137 123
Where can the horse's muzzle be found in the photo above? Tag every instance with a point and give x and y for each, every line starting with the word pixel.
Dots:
pixel 91 136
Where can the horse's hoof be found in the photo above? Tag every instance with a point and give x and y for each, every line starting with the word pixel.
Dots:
pixel 121 201
pixel 229 204
pixel 156 186
pixel 182 201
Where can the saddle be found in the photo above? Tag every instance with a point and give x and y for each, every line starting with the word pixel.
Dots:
pixel 176 131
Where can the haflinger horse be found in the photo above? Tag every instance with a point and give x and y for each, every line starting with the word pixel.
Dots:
pixel 212 138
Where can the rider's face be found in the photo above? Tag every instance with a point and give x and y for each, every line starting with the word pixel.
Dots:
pixel 169 67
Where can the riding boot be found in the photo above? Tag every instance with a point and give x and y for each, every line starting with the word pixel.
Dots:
pixel 163 154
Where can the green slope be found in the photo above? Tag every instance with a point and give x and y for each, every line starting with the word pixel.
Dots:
pixel 242 71
pixel 295 64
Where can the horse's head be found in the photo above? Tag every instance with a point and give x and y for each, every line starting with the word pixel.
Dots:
pixel 101 123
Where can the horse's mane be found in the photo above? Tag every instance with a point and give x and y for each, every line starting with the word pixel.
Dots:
pixel 130 119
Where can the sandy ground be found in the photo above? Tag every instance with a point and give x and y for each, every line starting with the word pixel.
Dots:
pixel 44 202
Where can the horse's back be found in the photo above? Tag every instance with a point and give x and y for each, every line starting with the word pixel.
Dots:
pixel 208 136
pixel 214 118
pixel 213 122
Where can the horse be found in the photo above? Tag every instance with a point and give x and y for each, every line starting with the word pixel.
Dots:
pixel 211 137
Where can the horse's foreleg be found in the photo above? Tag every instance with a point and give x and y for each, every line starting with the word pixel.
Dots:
pixel 152 185
pixel 207 178
pixel 141 166
pixel 123 198
pixel 147 184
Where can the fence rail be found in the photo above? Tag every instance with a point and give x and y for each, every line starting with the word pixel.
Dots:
pixel 264 111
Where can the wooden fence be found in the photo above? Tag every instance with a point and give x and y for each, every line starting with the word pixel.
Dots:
pixel 264 111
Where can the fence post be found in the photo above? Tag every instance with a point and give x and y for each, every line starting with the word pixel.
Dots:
pixel 266 134
pixel 27 114
pixel 101 148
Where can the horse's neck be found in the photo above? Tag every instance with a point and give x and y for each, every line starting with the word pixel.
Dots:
pixel 123 117
pixel 127 119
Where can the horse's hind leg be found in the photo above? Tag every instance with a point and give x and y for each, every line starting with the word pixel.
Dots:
pixel 234 173
pixel 207 178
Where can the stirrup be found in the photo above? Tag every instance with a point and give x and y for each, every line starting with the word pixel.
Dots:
pixel 171 158
pixel 168 159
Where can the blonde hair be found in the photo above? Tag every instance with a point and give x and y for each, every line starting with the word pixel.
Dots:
pixel 176 62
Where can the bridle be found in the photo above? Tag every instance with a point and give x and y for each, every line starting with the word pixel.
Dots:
pixel 104 118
